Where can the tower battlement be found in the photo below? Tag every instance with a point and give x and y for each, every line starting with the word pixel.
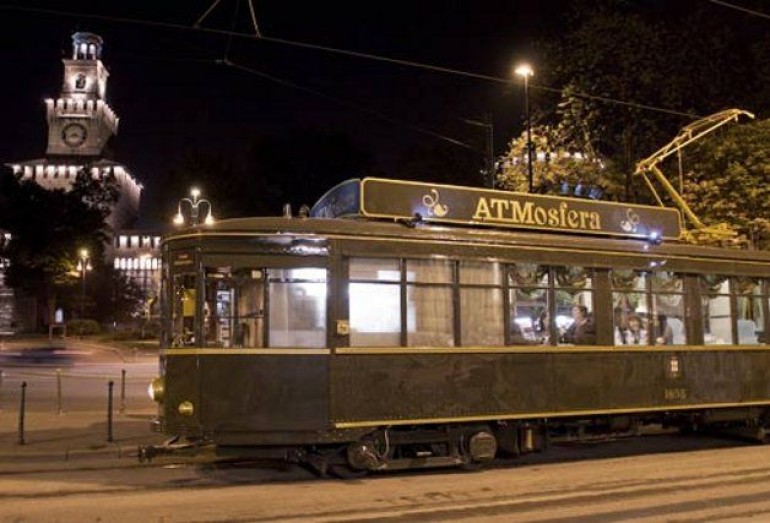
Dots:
pixel 81 108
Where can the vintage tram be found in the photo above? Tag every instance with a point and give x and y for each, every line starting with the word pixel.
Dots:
pixel 407 324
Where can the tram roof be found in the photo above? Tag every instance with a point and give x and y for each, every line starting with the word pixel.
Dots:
pixel 350 228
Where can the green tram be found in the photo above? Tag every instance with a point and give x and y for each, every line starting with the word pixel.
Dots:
pixel 409 325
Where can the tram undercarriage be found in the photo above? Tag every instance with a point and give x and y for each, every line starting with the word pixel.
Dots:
pixel 474 445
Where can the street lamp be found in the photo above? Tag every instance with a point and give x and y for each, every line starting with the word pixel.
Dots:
pixel 525 71
pixel 145 264
pixel 84 265
pixel 195 204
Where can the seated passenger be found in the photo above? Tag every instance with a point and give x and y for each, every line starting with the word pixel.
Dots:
pixel 633 334
pixel 582 331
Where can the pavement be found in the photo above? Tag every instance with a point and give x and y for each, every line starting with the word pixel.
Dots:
pixel 78 437
pixel 73 439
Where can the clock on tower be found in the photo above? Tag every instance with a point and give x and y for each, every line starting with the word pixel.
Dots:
pixel 80 122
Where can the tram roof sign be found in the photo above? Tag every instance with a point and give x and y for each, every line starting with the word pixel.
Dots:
pixel 379 198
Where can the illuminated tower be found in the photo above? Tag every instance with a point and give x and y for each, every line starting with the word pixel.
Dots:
pixel 80 124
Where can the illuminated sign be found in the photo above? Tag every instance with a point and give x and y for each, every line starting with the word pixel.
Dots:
pixel 434 203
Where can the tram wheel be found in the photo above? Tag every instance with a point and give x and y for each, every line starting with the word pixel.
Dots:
pixel 479 449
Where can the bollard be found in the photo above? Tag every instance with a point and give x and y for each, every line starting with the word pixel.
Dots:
pixel 110 385
pixel 59 408
pixel 22 408
pixel 123 391
pixel 1 389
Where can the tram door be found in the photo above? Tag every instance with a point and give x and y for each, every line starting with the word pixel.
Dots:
pixel 183 310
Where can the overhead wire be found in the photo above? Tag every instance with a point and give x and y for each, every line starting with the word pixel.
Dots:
pixel 741 8
pixel 369 56
pixel 254 19
pixel 205 14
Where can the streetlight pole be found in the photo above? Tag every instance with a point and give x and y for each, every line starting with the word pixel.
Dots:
pixel 84 265
pixel 489 160
pixel 525 71
pixel 195 202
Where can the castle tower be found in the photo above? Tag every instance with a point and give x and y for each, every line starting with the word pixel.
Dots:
pixel 80 124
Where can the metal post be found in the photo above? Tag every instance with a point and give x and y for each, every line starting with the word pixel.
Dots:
pixel 490 150
pixel 83 294
pixel 529 134
pixel 110 385
pixel 59 409
pixel 123 391
pixel 22 409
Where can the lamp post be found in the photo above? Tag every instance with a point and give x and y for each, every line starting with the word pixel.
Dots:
pixel 195 202
pixel 144 265
pixel 84 265
pixel 488 126
pixel 525 71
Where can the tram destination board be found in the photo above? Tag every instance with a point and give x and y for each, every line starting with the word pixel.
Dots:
pixel 394 199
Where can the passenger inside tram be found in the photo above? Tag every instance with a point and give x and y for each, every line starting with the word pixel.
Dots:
pixel 582 331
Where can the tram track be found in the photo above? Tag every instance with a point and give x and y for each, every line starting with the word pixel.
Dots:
pixel 703 485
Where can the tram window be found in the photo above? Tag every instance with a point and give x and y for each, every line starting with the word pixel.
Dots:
pixel 183 310
pixel 528 300
pixel 668 311
pixel 429 316
pixel 374 298
pixel 481 304
pixel 248 311
pixel 297 307
pixel 217 331
pixel 631 307
pixel 717 314
pixel 429 271
pixel 374 269
pixel 574 301
pixel 749 314
pixel 480 273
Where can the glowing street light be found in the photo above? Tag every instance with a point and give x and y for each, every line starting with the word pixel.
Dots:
pixel 84 265
pixel 194 204
pixel 525 71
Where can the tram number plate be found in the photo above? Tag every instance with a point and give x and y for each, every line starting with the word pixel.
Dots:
pixel 675 394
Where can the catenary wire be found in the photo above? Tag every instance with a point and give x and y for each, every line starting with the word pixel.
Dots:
pixel 741 8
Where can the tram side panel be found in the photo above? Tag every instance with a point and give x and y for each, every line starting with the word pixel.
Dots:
pixel 182 386
pixel 401 388
pixel 251 399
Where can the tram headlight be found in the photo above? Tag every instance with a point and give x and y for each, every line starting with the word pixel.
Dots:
pixel 186 408
pixel 156 389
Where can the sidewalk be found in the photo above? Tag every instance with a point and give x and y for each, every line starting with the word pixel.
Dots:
pixel 79 436
pixel 73 439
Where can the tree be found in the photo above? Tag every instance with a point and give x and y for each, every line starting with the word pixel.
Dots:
pixel 48 228
pixel 676 56
pixel 728 180
pixel 563 162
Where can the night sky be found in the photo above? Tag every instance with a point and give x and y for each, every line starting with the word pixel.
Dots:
pixel 173 97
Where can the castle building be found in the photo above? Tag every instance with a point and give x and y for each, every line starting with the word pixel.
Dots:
pixel 80 126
